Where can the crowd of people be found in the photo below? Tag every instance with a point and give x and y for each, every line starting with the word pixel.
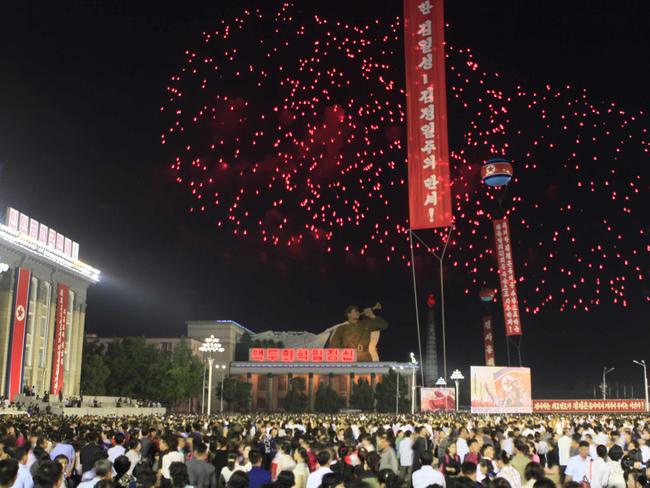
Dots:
pixel 326 451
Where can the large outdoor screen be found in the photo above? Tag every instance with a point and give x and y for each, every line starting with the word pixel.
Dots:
pixel 501 390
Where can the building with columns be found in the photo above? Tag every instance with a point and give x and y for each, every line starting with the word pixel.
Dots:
pixel 43 286
pixel 270 371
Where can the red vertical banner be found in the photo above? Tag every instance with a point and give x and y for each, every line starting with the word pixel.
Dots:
pixel 488 340
pixel 507 277
pixel 426 110
pixel 18 333
pixel 58 351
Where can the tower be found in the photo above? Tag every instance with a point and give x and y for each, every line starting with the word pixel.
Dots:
pixel 431 354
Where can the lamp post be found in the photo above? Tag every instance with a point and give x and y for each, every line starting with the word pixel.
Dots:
pixel 645 380
pixel 605 371
pixel 397 369
pixel 457 376
pixel 414 367
pixel 223 373
pixel 210 346
pixel 442 383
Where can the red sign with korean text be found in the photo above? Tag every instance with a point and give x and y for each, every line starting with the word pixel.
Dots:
pixel 585 406
pixel 18 331
pixel 302 355
pixel 507 277
pixel 426 110
pixel 287 355
pixel 488 340
pixel 58 352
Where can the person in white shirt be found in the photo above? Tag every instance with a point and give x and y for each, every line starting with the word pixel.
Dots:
pixel 405 453
pixel 134 454
pixel 315 479
pixel 461 444
pixel 599 468
pixel 103 471
pixel 118 447
pixel 426 475
pixel 285 461
pixel 169 445
pixel 564 448
pixel 24 477
pixel 507 472
pixel 579 467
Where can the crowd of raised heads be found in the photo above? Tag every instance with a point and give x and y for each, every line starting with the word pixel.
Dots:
pixel 325 451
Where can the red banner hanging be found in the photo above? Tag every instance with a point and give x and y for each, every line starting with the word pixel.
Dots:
pixel 488 340
pixel 585 406
pixel 58 352
pixel 507 277
pixel 426 108
pixel 18 333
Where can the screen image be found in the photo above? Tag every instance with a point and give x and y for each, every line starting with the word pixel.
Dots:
pixel 501 390
pixel 437 400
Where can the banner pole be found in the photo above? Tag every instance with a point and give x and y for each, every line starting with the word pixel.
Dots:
pixel 442 302
pixel 417 311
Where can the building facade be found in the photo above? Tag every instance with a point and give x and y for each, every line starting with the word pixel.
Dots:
pixel 43 291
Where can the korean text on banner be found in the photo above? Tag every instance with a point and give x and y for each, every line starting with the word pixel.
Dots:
pixel 488 340
pixel 426 107
pixel 62 304
pixel 507 277
pixel 18 333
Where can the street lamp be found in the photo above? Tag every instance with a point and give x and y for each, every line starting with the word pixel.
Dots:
pixel 457 376
pixel 605 371
pixel 223 373
pixel 645 380
pixel 210 346
pixel 396 368
pixel 414 367
pixel 442 383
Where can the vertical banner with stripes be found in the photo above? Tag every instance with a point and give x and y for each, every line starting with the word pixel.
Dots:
pixel 58 351
pixel 488 340
pixel 18 333
pixel 507 277
pixel 426 110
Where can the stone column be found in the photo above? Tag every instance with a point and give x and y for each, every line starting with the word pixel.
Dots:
pixel 249 380
pixel 311 392
pixel 269 392
pixel 373 385
pixel 349 387
pixel 81 330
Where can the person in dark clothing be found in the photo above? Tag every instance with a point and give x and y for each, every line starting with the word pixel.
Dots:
pixel 149 446
pixel 201 473
pixel 8 472
pixel 49 475
pixel 257 476
pixel 88 453
pixel 220 457
pixel 419 446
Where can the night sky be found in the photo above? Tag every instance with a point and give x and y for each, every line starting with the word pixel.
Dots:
pixel 81 86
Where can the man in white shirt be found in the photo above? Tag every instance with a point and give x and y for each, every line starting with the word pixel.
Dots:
pixel 461 443
pixel 324 460
pixel 599 469
pixel 564 448
pixel 118 447
pixel 24 477
pixel 103 471
pixel 405 457
pixel 580 467
pixel 426 475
